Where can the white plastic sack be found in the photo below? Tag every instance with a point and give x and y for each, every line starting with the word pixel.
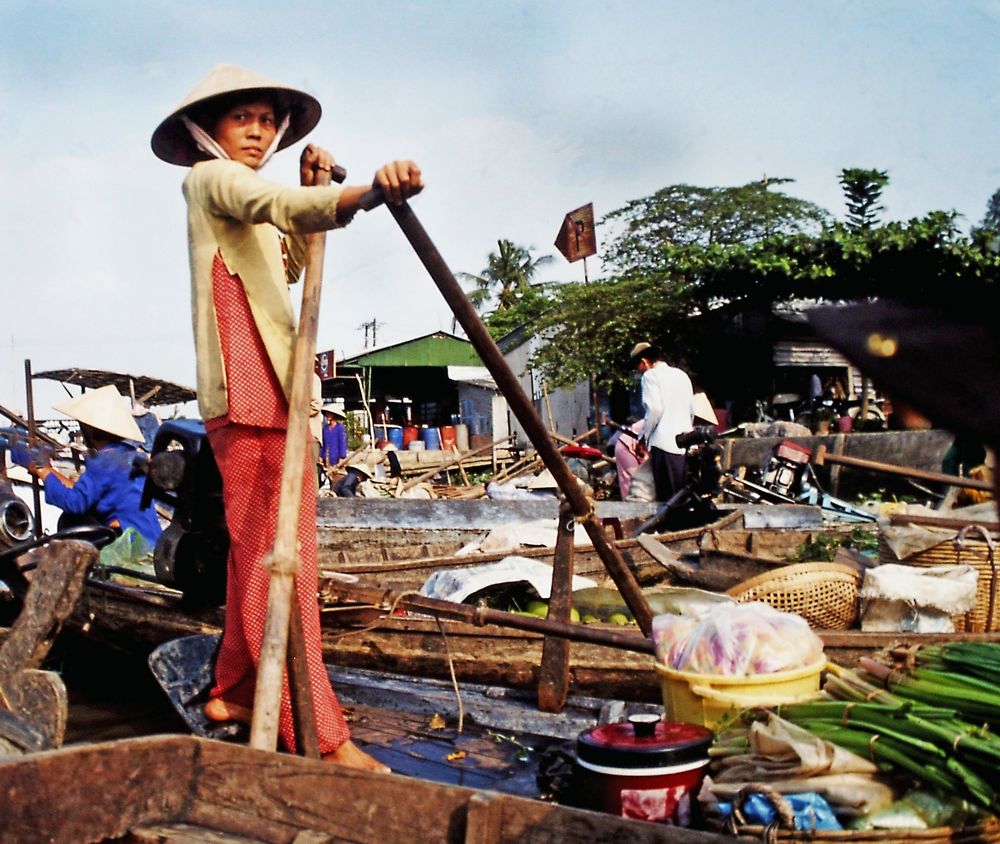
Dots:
pixel 539 533
pixel 458 584
pixel 914 599
pixel 642 487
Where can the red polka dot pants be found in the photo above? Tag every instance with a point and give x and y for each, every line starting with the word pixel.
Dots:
pixel 250 460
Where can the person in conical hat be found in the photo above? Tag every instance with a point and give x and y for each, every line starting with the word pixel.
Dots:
pixel 109 490
pixel 333 442
pixel 246 236
pixel 359 470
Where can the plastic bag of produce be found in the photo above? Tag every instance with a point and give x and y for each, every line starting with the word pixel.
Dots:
pixel 130 550
pixel 736 640
pixel 809 811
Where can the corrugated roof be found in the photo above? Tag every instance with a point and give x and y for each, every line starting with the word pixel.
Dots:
pixel 149 391
pixel 437 349
pixel 478 376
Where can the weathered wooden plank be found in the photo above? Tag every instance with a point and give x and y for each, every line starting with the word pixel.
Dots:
pixel 920 449
pixel 39 697
pixel 489 655
pixel 253 787
pixel 527 822
pixel 56 584
pixel 553 673
pixel 94 792
pixel 185 833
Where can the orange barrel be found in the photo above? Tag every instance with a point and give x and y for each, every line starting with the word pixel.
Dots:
pixel 447 437
pixel 410 433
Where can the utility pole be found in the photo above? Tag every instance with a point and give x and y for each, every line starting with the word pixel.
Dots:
pixel 370 326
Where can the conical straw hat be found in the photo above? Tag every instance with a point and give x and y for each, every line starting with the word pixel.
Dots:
pixel 335 409
pixel 172 141
pixel 702 409
pixel 103 409
pixel 362 466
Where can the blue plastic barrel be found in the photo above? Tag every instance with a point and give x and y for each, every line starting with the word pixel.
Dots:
pixel 396 436
pixel 431 438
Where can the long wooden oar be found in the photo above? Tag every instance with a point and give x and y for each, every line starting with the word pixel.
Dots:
pixel 518 401
pixel 284 561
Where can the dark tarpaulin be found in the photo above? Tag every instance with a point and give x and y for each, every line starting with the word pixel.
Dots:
pixel 944 359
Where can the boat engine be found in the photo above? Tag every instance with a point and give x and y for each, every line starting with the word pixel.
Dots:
pixel 17 525
pixel 784 468
pixel 703 459
pixel 191 553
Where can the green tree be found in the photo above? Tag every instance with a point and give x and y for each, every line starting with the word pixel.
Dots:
pixel 647 229
pixel 704 298
pixel 862 191
pixel 506 280
pixel 987 233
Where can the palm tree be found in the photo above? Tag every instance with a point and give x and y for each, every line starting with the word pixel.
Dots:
pixel 507 276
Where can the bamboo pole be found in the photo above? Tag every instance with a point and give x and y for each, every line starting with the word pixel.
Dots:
pixel 461 468
pixel 548 407
pixel 532 462
pixel 430 473
pixel 284 561
pixel 822 457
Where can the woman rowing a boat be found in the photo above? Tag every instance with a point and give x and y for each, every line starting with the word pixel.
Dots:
pixel 225 130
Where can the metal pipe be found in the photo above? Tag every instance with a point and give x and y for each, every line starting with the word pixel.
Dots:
pixel 36 489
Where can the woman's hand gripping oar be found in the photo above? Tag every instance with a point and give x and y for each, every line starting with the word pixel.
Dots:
pixel 282 600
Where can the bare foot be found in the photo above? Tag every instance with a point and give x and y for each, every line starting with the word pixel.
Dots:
pixel 218 709
pixel 352 756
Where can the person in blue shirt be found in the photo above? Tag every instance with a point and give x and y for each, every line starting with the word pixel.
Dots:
pixel 109 489
pixel 333 448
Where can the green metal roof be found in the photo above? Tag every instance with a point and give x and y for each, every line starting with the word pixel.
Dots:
pixel 437 349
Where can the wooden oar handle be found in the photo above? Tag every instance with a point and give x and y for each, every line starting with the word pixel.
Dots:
pixel 372 199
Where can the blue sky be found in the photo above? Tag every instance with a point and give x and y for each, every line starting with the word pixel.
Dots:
pixel 518 112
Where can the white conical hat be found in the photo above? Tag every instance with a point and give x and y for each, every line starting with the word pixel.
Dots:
pixel 103 409
pixel 173 142
pixel 335 409
pixel 702 409
pixel 362 466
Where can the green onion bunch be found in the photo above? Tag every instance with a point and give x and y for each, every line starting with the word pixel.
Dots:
pixel 923 723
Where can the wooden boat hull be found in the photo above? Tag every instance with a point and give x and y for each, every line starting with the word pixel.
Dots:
pixel 182 788
pixel 138 620
pixel 382 529
pixel 358 637
pixel 917 449
pixel 378 566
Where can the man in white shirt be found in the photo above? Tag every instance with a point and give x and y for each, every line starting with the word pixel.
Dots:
pixel 667 397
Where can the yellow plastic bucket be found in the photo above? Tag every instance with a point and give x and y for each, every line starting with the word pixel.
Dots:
pixel 708 698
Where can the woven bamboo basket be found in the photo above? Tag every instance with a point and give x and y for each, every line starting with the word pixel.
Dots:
pixel 973 546
pixel 824 594
pixel 783 829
